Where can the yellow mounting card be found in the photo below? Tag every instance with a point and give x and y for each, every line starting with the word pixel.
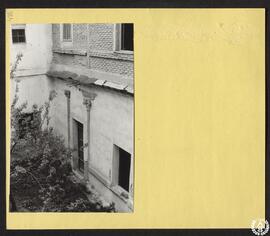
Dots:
pixel 199 118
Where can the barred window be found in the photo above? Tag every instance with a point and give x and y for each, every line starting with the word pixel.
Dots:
pixel 66 32
pixel 18 36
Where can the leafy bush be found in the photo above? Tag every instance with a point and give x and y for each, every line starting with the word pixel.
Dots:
pixel 82 205
pixel 41 164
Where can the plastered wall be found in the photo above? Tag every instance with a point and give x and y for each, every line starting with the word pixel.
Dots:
pixel 37 50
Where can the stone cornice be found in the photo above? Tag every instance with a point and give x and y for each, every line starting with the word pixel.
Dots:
pixel 84 80
pixel 70 51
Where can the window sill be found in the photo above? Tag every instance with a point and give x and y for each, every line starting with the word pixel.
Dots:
pixel 125 52
pixel 122 194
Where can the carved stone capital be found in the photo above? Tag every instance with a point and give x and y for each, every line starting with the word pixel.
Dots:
pixel 67 93
pixel 88 103
pixel 88 95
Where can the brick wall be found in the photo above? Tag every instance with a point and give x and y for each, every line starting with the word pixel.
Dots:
pixel 80 36
pixel 112 66
pixel 101 37
pixel 98 41
pixel 56 36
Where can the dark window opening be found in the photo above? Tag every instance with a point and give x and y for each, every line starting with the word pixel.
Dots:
pixel 127 37
pixel 124 169
pixel 18 36
pixel 80 146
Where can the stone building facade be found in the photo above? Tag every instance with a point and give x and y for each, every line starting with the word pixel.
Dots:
pixel 91 68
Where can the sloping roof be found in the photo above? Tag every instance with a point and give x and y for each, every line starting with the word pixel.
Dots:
pixel 86 80
pixel 62 74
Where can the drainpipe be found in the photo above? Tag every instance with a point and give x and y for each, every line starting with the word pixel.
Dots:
pixel 67 94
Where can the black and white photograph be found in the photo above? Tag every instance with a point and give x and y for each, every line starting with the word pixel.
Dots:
pixel 72 117
pixel 160 112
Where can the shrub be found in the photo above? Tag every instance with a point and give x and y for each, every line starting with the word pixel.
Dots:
pixel 41 164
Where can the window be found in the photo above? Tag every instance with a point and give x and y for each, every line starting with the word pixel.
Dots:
pixel 124 37
pixel 122 162
pixel 124 169
pixel 66 32
pixel 18 36
pixel 127 37
pixel 80 146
